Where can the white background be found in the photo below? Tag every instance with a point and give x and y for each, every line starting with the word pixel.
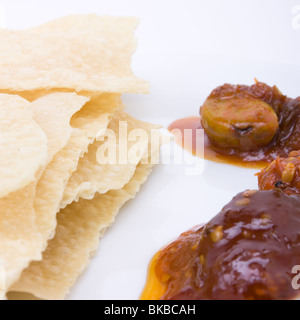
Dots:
pixel 260 29
pixel 185 49
pixel 182 42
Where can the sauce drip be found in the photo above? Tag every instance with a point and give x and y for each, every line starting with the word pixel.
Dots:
pixel 246 252
pixel 154 288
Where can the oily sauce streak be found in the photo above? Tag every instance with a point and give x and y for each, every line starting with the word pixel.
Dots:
pixel 211 152
pixel 246 252
pixel 154 288
pixel 286 139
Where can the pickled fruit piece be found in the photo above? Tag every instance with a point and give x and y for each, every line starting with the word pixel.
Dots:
pixel 283 173
pixel 245 123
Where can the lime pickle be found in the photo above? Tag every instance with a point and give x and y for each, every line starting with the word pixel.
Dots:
pixel 246 125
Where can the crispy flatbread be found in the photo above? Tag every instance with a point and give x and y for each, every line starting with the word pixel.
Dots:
pixel 53 143
pixel 23 149
pixel 50 187
pixel 88 124
pixel 23 145
pixel 93 176
pixel 76 239
pixel 83 53
pixel 78 229
pixel 18 234
pixel 53 114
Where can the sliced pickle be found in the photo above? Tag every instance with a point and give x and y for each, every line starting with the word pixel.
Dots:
pixel 236 122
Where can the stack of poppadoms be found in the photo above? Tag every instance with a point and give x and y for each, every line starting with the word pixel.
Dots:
pixel 60 90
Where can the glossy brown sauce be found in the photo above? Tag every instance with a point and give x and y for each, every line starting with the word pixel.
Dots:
pixel 246 252
pixel 286 139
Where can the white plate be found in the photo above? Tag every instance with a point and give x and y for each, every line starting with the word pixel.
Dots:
pixel 172 202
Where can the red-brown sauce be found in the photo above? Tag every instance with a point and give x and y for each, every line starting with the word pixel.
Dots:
pixel 247 252
pixel 286 139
